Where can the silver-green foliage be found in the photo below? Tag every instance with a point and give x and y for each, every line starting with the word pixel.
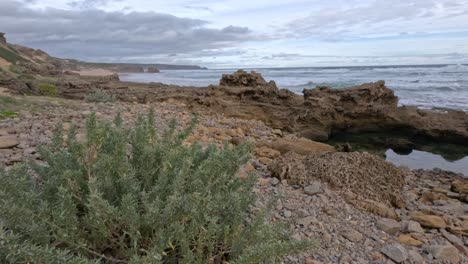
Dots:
pixel 99 96
pixel 130 196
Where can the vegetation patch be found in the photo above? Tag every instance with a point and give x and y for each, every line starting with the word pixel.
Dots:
pixel 10 56
pixel 7 114
pixel 48 89
pixel 127 195
pixel 99 96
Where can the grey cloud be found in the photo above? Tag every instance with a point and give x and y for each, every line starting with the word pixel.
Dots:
pixel 200 8
pixel 374 18
pixel 94 35
pixel 85 4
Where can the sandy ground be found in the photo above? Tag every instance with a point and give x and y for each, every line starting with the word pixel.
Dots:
pixel 94 72
pixel 4 63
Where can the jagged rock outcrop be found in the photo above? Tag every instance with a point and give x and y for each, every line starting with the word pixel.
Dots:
pixel 152 69
pixel 2 38
pixel 243 78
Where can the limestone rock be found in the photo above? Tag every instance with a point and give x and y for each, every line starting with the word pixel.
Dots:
pixel 431 221
pixel 395 252
pixel 444 253
pixel 8 142
pixel 313 189
pixel 352 235
pixel 409 240
pixel 266 152
pixel 301 146
pixel 242 78
pixel 413 227
pixel 389 226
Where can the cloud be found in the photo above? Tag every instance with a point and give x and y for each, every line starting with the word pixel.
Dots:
pixel 93 34
pixel 85 4
pixel 380 18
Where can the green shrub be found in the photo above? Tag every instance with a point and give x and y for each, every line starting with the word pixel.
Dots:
pixel 10 56
pixel 99 96
pixel 7 114
pixel 48 89
pixel 130 196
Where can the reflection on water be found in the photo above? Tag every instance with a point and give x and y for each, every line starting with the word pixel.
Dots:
pixel 425 160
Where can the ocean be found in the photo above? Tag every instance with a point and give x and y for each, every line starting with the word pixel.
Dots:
pixel 425 86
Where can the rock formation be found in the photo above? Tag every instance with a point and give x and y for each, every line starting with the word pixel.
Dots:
pixel 2 38
pixel 367 181
pixel 152 69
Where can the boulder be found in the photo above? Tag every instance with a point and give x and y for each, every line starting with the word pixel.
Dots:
pixel 242 78
pixel 8 142
pixel 430 221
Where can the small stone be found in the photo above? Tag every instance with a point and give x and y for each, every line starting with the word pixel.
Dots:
pixel 415 257
pixel 431 221
pixel 395 252
pixel 287 213
pixel 327 237
pixel 8 142
pixel 414 227
pixel 409 240
pixel 29 151
pixel 389 226
pixel 249 168
pixel 376 256
pixel 3 132
pixel 274 181
pixel 313 189
pixel 66 126
pixel 277 132
pixel 345 259
pixel 352 235
pixel 444 253
pixel 263 181
pixel 306 221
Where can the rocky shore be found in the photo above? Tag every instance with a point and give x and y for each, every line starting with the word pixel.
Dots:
pixel 360 208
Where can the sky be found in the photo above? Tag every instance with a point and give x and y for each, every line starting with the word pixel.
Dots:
pixel 243 33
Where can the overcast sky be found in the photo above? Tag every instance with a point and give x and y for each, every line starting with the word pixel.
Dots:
pixel 243 33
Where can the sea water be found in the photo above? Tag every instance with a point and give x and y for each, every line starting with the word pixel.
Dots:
pixel 424 86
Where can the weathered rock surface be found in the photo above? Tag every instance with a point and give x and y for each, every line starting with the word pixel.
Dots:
pixel 301 146
pixel 366 176
pixel 389 226
pixel 427 220
pixel 8 142
pixel 396 252
pixel 444 253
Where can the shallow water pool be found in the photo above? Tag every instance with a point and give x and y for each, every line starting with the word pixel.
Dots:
pixel 425 160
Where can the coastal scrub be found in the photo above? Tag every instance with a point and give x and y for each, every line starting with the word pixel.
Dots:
pixel 127 195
